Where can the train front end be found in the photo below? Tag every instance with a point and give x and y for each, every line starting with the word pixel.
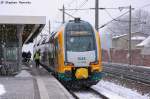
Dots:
pixel 82 54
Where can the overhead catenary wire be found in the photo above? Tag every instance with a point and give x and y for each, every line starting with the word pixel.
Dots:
pixel 139 22
pixel 145 6
pixel 67 14
pixel 111 30
pixel 119 19
pixel 108 14
pixel 113 20
pixel 80 6
pixel 71 2
pixel 123 14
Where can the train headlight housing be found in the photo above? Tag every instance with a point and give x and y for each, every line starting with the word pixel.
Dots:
pixel 68 64
pixel 94 63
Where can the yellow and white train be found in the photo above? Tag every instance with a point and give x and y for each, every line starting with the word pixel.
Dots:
pixel 73 53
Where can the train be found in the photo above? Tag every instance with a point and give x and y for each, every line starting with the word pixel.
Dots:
pixel 73 54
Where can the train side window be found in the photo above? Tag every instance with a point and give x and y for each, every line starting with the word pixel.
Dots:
pixel 56 44
pixel 56 47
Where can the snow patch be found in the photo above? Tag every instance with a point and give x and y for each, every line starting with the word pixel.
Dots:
pixel 118 36
pixel 138 38
pixel 2 90
pixel 145 43
pixel 86 95
pixel 114 91
pixel 24 73
pixel 144 67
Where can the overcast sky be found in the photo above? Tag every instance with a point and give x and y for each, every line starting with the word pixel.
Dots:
pixel 50 8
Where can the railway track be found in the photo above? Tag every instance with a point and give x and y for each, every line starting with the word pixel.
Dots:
pixel 73 94
pixel 85 91
pixel 130 72
pixel 88 90
pixel 87 94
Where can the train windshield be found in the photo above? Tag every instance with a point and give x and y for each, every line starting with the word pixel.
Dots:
pixel 80 38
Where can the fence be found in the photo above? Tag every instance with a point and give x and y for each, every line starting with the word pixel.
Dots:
pixel 121 56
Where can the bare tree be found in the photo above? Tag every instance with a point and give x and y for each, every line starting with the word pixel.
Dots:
pixel 140 23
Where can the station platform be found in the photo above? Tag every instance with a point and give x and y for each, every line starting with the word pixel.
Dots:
pixel 32 83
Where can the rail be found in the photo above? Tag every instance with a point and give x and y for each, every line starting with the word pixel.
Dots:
pixel 86 93
pixel 132 72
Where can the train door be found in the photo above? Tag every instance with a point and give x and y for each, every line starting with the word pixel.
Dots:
pixel 51 54
pixel 56 53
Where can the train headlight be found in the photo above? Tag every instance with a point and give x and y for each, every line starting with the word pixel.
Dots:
pixel 94 63
pixel 68 64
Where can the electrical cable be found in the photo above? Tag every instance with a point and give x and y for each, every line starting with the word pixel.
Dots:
pixel 113 20
pixel 80 6
pixel 145 6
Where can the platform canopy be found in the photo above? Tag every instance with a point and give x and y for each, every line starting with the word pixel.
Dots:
pixel 32 26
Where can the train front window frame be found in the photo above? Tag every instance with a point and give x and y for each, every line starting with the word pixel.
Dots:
pixel 82 34
pixel 80 43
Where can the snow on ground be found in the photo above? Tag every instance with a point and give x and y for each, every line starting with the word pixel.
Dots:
pixel 2 90
pixel 114 91
pixel 144 67
pixel 86 95
pixel 24 73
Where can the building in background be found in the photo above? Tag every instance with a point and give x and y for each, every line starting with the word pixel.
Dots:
pixel 121 41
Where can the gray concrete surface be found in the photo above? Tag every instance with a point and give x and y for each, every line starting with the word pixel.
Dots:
pixel 17 88
pixel 32 83
pixel 55 89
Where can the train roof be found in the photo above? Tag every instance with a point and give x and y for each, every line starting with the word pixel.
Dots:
pixel 77 21
pixel 72 24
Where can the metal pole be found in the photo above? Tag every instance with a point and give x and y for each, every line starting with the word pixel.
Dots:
pixel 96 14
pixel 130 60
pixel 20 29
pixel 63 21
pixel 49 27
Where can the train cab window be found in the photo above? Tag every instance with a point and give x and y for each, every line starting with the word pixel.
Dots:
pixel 52 43
pixel 56 44
pixel 80 38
